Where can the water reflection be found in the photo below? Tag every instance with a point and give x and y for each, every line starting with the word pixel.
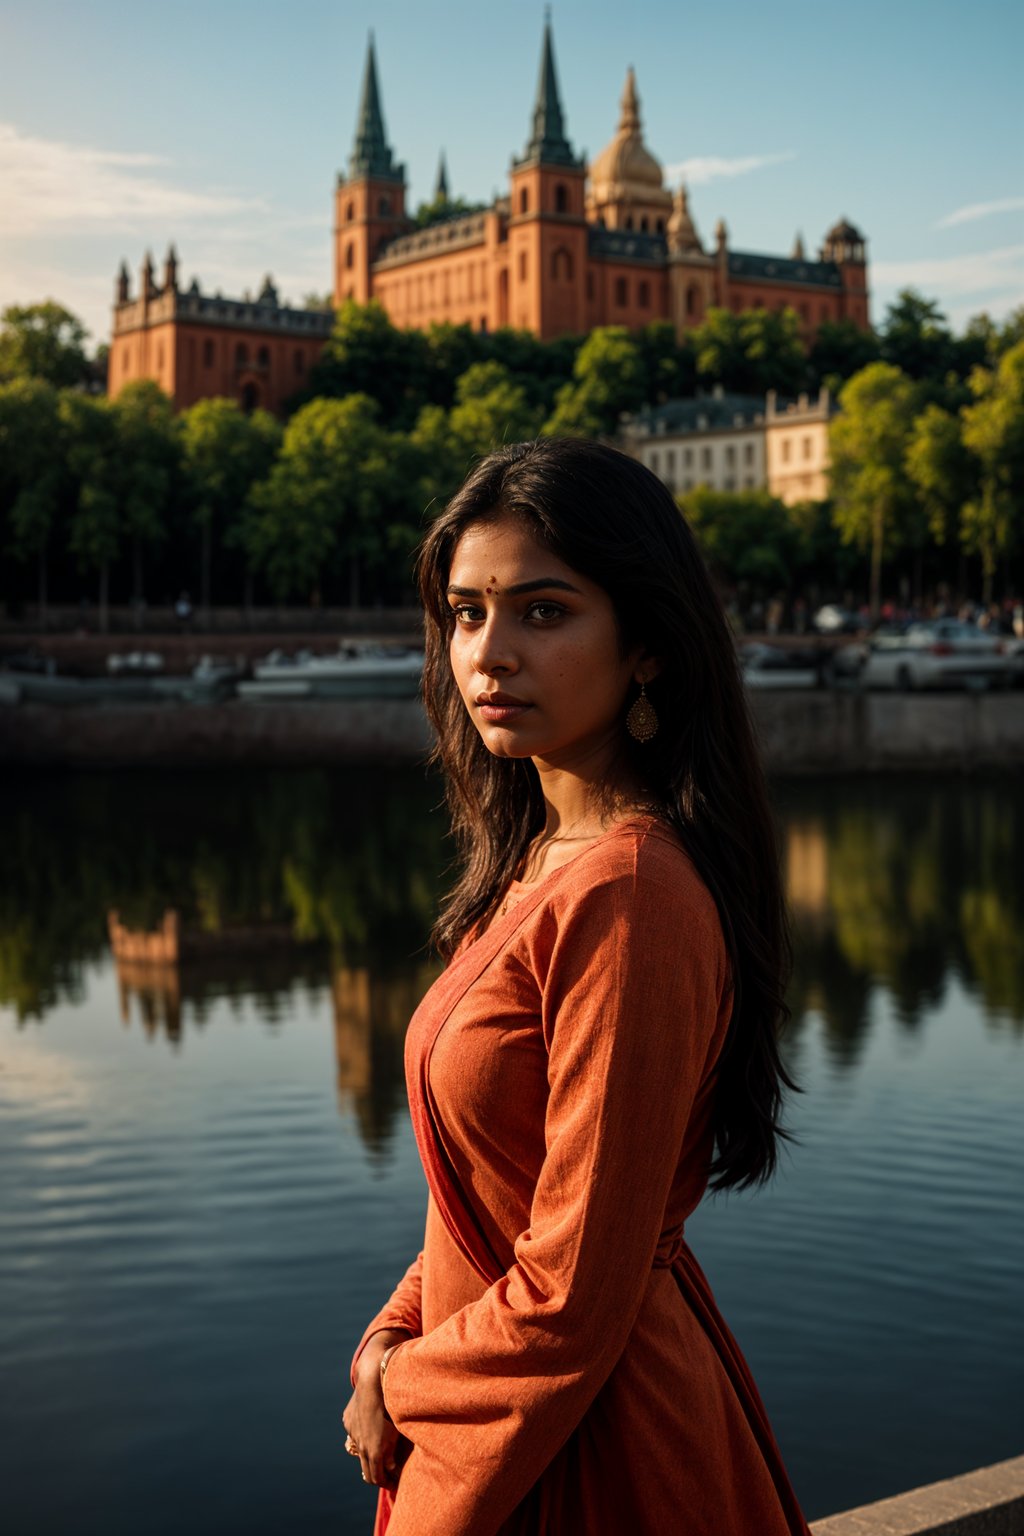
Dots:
pixel 219 886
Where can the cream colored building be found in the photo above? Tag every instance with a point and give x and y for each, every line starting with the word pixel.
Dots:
pixel 715 440
pixel 796 446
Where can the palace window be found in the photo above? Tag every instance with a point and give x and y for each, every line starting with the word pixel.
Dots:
pixel 692 300
pixel 621 294
pixel 705 458
pixel 524 200
pixel 384 206
pixel 807 447
pixel 561 198
pixel 643 224
pixel 263 357
pixel 207 354
pixel 561 265
pixel 644 294
pixel 350 255
pixel 350 212
pixel 688 459
pixel 785 450
pixel 522 266
pixel 655 461
pixel 730 454
pixel 660 226
pixel 300 361
pixel 629 221
pixel 241 355
pixel 748 453
pixel 160 358
pixel 670 461
pixel 590 285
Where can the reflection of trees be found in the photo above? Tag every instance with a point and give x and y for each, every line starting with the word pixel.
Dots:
pixel 350 858
pixel 902 882
pixel 371 1013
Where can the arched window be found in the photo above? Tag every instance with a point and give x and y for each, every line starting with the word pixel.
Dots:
pixel 561 198
pixel 522 266
pixel 241 355
pixel 524 200
pixel 207 354
pixel 350 255
pixel 643 295
pixel 621 294
pixel 300 361
pixel 561 265
pixel 643 224
pixel 692 301
pixel 160 358
pixel 350 212
pixel 660 226
pixel 263 357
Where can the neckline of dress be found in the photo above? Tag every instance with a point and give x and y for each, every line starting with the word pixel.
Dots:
pixel 648 819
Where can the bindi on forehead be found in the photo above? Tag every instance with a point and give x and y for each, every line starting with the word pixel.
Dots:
pixel 494 588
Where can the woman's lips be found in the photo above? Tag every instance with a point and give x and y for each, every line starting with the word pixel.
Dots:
pixel 502 714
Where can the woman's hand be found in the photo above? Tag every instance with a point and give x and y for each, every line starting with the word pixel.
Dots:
pixel 365 1419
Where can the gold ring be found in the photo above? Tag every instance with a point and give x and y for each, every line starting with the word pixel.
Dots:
pixel 351 1447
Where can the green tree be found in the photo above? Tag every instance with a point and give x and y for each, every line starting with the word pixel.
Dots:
pixel 940 469
pixel 915 338
pixel 609 377
pixel 43 341
pixel 750 352
pixel 224 453
pixel 871 490
pixel 95 468
pixel 993 430
pixel 31 472
pixel 745 536
pixel 367 355
pixel 323 501
pixel 149 463
pixel 840 349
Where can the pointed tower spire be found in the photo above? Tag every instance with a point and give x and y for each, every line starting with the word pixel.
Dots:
pixel 629 106
pixel 371 153
pixel 797 253
pixel 548 144
pixel 441 185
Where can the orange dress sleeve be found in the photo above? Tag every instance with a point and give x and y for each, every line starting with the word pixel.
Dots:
pixel 403 1309
pixel 631 1012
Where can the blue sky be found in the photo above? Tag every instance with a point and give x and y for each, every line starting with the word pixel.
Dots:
pixel 221 125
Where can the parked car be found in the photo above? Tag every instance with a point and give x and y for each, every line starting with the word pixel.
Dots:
pixel 773 666
pixel 942 653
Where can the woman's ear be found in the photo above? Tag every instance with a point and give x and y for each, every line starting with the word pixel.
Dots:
pixel 647 668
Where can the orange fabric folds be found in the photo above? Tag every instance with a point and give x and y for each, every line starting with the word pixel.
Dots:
pixel 570 1374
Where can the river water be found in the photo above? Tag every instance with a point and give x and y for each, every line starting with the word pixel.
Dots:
pixel 208 1180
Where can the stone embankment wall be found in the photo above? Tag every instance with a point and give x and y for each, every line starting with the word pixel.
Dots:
pixel 987 1502
pixel 800 732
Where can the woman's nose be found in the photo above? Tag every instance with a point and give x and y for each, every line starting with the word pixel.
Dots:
pixel 495 652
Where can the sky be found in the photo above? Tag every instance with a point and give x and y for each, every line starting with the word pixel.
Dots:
pixel 221 126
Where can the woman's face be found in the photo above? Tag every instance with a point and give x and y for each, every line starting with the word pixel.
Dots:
pixel 535 649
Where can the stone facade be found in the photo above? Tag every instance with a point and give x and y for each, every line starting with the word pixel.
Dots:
pixel 796 446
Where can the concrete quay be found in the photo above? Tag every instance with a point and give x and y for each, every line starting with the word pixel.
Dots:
pixel 801 732
pixel 986 1502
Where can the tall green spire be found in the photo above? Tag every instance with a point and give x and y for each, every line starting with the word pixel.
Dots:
pixel 441 185
pixel 548 144
pixel 371 153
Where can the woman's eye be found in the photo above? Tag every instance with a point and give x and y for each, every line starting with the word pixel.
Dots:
pixel 465 613
pixel 545 612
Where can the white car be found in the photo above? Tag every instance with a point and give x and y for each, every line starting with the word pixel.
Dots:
pixel 942 653
pixel 770 666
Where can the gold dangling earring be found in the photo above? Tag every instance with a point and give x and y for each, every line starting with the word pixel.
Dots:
pixel 642 722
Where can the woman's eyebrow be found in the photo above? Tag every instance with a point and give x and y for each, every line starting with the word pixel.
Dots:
pixel 544 583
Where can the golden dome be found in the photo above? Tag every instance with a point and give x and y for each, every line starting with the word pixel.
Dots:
pixel 626 169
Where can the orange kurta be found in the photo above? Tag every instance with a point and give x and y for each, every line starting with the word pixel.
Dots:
pixel 570 1374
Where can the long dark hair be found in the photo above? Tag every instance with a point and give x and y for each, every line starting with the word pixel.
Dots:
pixel 613 521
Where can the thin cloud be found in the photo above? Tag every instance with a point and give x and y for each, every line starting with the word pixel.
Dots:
pixel 699 170
pixel 49 185
pixel 974 211
pixel 998 271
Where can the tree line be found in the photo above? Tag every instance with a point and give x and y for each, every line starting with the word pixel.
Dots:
pixel 326 506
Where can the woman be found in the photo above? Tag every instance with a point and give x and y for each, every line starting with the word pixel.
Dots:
pixel 602 1042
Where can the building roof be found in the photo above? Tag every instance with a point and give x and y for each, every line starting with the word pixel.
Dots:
pixel 548 143
pixel 625 245
pixel 371 154
pixel 784 269
pixel 705 413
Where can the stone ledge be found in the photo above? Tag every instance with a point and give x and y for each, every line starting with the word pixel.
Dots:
pixel 986 1502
